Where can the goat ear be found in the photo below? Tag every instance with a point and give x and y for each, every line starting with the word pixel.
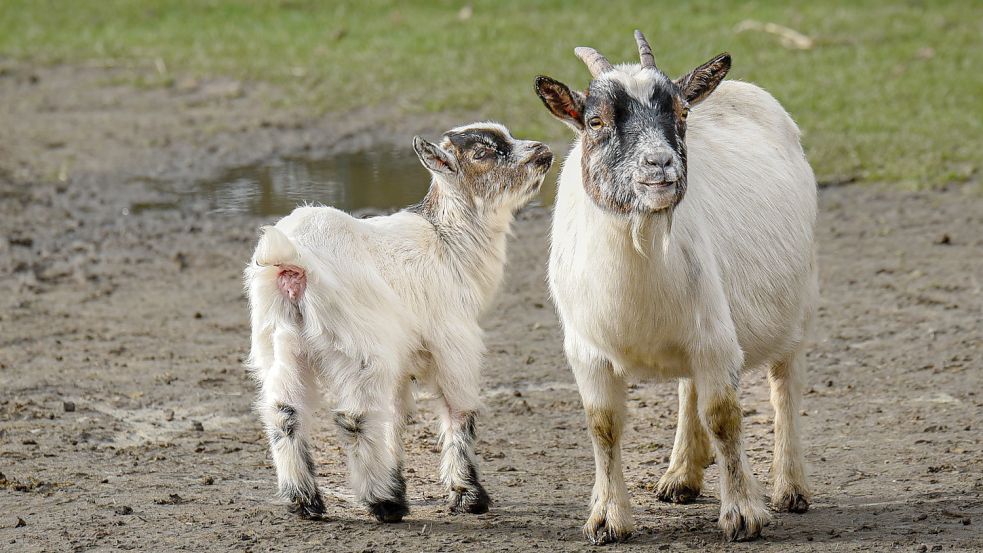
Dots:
pixel 703 80
pixel 437 160
pixel 564 104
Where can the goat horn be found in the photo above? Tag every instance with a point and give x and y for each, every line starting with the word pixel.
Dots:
pixel 594 60
pixel 644 50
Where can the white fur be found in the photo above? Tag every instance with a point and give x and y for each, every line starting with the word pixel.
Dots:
pixel 732 287
pixel 387 300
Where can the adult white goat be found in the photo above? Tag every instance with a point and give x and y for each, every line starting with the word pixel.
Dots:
pixel 364 306
pixel 649 285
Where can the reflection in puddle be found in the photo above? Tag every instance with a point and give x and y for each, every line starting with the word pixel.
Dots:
pixel 361 182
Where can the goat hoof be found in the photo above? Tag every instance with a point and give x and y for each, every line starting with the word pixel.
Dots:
pixel 608 525
pixel 602 534
pixel 674 489
pixel 790 500
pixel 389 510
pixel 473 501
pixel 743 521
pixel 309 508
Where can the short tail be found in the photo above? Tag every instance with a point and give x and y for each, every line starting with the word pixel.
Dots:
pixel 277 255
pixel 275 248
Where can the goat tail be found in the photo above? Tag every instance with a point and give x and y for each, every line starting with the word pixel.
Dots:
pixel 275 248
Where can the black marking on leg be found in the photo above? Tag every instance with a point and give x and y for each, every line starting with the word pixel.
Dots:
pixel 470 497
pixel 305 498
pixel 394 508
pixel 287 419
pixel 349 424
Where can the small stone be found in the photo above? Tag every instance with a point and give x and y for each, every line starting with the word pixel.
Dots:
pixel 197 426
pixel 68 406
pixel 169 415
pixel 198 314
pixel 207 481
pixel 123 510
pixel 20 523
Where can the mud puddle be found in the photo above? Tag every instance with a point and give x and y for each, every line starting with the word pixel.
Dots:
pixel 364 183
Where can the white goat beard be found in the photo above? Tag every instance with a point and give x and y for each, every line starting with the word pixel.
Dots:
pixel 665 236
pixel 637 228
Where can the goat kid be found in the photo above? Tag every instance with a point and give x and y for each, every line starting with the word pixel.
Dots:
pixel 362 307
pixel 649 285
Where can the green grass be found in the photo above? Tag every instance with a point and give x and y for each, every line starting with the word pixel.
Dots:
pixel 890 92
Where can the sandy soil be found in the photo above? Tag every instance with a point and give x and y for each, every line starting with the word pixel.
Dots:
pixel 125 416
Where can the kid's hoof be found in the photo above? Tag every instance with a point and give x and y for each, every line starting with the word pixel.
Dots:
pixel 389 510
pixel 309 508
pixel 473 501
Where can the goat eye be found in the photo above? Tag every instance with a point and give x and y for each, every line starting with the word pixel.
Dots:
pixel 595 123
pixel 480 154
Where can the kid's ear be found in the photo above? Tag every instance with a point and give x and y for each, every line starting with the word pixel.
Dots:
pixel 437 160
pixel 564 104
pixel 703 80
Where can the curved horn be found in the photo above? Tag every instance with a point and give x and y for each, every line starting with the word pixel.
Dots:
pixel 644 50
pixel 594 60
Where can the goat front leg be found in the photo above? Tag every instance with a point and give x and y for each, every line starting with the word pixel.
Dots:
pixel 742 510
pixel 691 452
pixel 458 380
pixel 369 424
pixel 790 489
pixel 287 398
pixel 603 395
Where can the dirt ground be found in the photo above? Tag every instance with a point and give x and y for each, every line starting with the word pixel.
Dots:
pixel 125 417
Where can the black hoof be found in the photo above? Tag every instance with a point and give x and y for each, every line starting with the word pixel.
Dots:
pixel 389 510
pixel 792 503
pixel 680 495
pixel 473 501
pixel 309 508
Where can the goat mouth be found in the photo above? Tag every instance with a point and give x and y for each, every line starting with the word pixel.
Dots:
pixel 658 184
pixel 544 161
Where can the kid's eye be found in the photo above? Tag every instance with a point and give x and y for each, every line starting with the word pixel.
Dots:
pixel 481 153
pixel 595 123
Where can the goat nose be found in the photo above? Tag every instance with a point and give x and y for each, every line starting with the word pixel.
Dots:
pixel 661 159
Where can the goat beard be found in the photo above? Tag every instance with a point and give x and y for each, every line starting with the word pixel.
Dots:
pixel 640 223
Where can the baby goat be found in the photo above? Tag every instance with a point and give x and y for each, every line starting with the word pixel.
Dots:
pixel 361 307
pixel 649 285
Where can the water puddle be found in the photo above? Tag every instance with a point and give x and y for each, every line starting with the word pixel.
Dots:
pixel 371 182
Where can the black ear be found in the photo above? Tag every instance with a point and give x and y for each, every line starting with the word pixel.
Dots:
pixel 564 104
pixel 703 80
pixel 437 160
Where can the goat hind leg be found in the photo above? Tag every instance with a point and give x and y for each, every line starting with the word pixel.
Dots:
pixel 369 423
pixel 790 490
pixel 691 452
pixel 286 400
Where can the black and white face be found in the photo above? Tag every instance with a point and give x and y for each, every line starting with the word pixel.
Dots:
pixel 632 127
pixel 484 164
